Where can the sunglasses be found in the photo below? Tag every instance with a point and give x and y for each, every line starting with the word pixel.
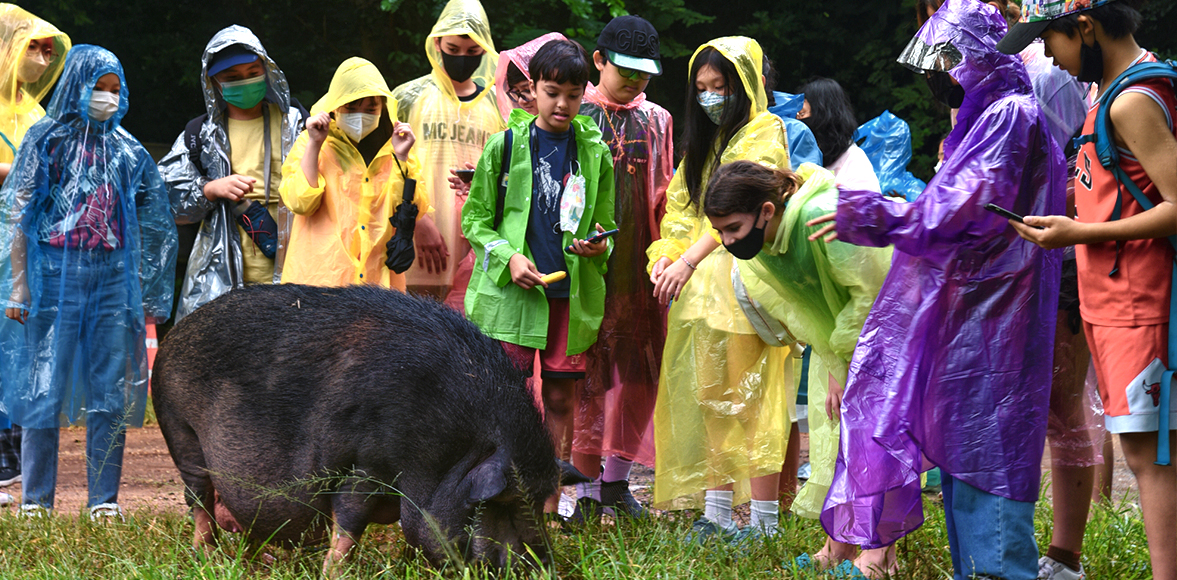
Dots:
pixel 520 97
pixel 630 73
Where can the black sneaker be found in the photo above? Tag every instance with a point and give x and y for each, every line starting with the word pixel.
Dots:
pixel 587 510
pixel 260 226
pixel 616 495
pixel 9 477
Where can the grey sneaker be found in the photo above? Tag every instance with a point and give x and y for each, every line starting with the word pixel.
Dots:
pixel 106 512
pixel 751 534
pixel 616 496
pixel 705 530
pixel 1051 569
pixel 32 510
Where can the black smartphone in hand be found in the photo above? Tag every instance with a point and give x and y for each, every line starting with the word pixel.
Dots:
pixel 595 239
pixel 1009 215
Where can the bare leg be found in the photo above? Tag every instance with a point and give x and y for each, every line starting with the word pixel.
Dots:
pixel 833 552
pixel 589 465
pixel 1158 500
pixel 1072 501
pixel 559 397
pixel 878 563
pixel 788 487
pixel 1102 490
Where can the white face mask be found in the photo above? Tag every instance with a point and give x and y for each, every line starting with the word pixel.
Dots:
pixel 357 125
pixel 32 67
pixel 103 105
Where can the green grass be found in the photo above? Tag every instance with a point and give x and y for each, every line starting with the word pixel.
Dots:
pixel 157 546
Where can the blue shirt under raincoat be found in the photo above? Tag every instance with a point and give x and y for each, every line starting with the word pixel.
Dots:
pixel 88 248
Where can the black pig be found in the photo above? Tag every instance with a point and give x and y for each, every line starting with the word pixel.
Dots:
pixel 295 408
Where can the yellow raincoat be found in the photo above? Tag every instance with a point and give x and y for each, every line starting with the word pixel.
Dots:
pixel 722 410
pixel 341 223
pixel 20 101
pixel 450 132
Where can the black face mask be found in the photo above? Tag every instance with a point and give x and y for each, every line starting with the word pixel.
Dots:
pixel 460 68
pixel 1090 62
pixel 944 90
pixel 750 245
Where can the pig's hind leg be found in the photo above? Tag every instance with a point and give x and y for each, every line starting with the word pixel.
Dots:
pixel 184 446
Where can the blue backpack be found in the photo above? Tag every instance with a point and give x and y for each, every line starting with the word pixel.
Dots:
pixel 1109 158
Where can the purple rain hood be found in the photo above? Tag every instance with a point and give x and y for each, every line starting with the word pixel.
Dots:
pixel 954 361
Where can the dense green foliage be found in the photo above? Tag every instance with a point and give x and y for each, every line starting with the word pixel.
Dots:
pixel 853 42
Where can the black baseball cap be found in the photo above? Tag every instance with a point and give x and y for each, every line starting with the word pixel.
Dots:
pixel 631 42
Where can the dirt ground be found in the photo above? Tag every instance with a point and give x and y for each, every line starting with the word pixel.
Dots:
pixel 151 482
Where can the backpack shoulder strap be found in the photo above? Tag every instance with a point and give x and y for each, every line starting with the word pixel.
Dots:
pixel 193 143
pixel 504 173
pixel 1105 147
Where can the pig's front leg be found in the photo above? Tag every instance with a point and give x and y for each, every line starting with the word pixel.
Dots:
pixel 341 545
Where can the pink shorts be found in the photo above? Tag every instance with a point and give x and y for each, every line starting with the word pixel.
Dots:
pixel 554 361
pixel 1128 362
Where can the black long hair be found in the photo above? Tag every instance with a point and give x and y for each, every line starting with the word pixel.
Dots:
pixel 831 117
pixel 701 136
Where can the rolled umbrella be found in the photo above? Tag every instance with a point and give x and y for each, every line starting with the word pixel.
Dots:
pixel 401 252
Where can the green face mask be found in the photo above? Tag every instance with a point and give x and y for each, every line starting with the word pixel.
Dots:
pixel 244 94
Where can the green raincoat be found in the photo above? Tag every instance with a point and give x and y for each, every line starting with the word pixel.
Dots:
pixel 822 293
pixel 497 305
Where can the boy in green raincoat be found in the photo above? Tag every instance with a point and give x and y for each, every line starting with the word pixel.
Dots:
pixel 559 192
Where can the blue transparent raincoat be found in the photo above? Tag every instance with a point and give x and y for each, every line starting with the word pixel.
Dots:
pixel 886 140
pixel 88 249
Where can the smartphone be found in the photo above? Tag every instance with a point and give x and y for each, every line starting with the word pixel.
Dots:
pixel 466 175
pixel 1005 213
pixel 597 238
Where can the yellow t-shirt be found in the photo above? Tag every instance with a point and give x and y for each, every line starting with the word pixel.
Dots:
pixel 247 157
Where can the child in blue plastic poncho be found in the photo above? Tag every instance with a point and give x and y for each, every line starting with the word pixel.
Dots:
pixel 87 251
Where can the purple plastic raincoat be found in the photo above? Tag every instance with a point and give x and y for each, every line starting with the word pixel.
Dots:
pixel 954 361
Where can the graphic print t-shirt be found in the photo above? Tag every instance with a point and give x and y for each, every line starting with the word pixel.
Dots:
pixel 550 169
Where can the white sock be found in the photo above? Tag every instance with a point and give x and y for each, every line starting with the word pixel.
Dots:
pixel 591 489
pixel 717 507
pixel 765 515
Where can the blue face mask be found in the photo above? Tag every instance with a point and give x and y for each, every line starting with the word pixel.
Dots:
pixel 713 104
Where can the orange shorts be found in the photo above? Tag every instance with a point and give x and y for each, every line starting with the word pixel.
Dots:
pixel 1129 361
pixel 554 361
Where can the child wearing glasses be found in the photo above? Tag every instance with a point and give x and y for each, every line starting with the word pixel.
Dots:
pixel 614 411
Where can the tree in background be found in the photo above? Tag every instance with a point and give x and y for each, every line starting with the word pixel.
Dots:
pixel 855 43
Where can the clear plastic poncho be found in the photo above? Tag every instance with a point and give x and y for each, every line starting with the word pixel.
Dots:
pixel 450 133
pixel 1059 94
pixel 954 361
pixel 215 265
pixel 341 224
pixel 886 141
pixel 722 410
pixel 822 293
pixel 20 102
pixel 88 248
pixel 521 57
pixel 617 397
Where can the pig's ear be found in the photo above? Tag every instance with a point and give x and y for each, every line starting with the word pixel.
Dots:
pixel 570 475
pixel 487 480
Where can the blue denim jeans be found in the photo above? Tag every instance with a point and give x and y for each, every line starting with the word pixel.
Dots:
pixel 105 440
pixel 989 536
